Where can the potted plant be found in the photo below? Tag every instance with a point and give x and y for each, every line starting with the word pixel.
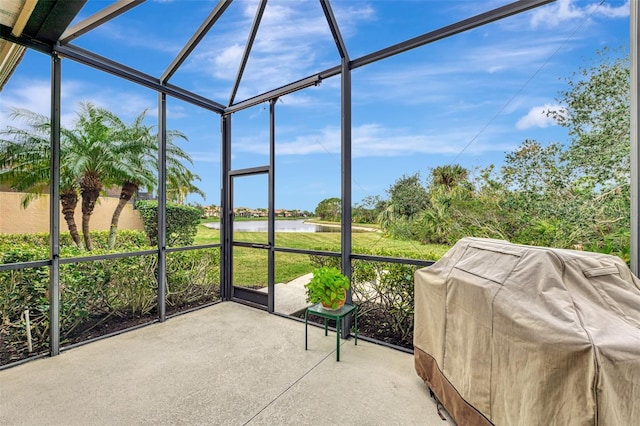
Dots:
pixel 328 287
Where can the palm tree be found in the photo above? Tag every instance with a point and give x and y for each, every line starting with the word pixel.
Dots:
pixel 24 164
pixel 133 145
pixel 109 152
pixel 93 158
pixel 449 182
pixel 449 175
pixel 387 216
pixel 180 184
pixel 137 147
pixel 99 152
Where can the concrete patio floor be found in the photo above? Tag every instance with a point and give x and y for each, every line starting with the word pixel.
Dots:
pixel 227 364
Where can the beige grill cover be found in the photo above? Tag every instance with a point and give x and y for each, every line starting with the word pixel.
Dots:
pixel 519 335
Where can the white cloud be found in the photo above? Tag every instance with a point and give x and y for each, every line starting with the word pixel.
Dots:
pixel 205 156
pixel 609 11
pixel 375 140
pixel 486 72
pixel 537 117
pixel 227 62
pixel 349 15
pixel 567 10
pixel 292 42
pixel 511 54
pixel 35 95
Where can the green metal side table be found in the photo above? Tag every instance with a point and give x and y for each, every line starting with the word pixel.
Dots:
pixel 336 315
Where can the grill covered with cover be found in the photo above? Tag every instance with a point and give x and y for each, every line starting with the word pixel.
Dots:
pixel 518 335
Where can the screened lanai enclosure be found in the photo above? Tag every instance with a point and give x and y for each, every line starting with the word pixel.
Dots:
pixel 282 102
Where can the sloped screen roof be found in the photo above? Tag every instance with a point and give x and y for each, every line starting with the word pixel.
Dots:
pixel 257 28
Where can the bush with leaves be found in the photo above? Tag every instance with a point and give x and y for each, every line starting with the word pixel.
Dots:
pixel 93 292
pixel 387 288
pixel 329 209
pixel 89 291
pixel 23 289
pixel 126 239
pixel 182 222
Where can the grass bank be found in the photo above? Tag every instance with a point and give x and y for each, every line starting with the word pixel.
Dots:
pixel 250 265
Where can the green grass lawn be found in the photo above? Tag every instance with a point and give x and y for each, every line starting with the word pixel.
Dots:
pixel 250 265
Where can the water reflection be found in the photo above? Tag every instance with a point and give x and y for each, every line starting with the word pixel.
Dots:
pixel 297 225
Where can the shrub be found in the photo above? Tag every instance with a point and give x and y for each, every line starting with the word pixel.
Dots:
pixel 325 261
pixel 92 292
pixel 128 240
pixel 193 276
pixel 384 287
pixel 19 290
pixel 132 285
pixel 182 222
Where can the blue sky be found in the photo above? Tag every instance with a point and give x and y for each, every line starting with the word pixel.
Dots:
pixel 467 99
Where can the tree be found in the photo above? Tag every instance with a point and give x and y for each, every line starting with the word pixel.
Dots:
pixel 407 196
pixel 137 145
pixel 596 110
pixel 448 186
pixel 543 188
pixel 329 209
pixel 487 212
pixel 94 160
pixel 369 209
pixel 548 194
pixel 449 177
pixel 180 183
pixel 25 160
pixel 99 151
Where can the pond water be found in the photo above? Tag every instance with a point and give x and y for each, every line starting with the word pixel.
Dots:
pixel 297 225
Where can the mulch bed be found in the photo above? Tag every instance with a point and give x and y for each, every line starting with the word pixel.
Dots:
pixel 372 325
pixel 90 328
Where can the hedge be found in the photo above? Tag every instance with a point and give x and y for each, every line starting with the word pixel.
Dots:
pixel 386 287
pixel 93 292
pixel 182 222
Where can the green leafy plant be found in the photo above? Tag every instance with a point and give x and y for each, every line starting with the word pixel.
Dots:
pixel 383 291
pixel 93 293
pixel 328 286
pixel 182 222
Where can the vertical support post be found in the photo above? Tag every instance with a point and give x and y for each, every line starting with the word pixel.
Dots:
pixel 634 44
pixel 162 205
pixel 226 266
pixel 271 212
pixel 345 96
pixel 54 209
